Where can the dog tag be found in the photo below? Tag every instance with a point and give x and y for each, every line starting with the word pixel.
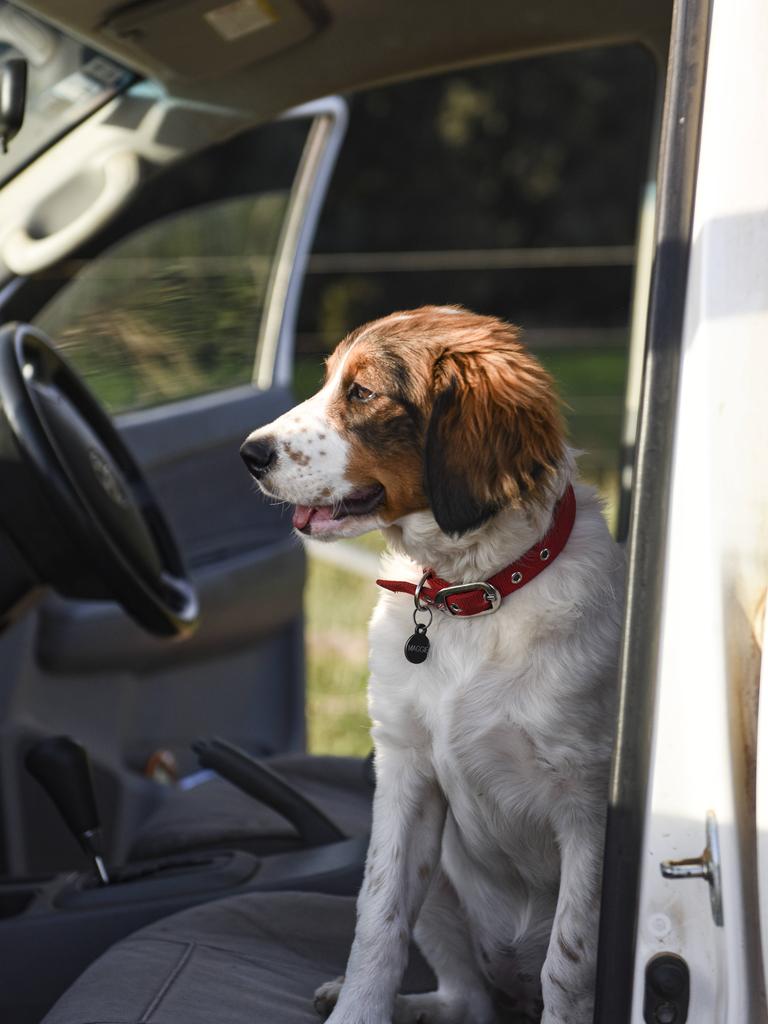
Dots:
pixel 417 646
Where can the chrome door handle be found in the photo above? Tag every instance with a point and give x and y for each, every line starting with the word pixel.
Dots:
pixel 705 866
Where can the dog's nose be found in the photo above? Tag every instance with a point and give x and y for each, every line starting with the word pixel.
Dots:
pixel 259 455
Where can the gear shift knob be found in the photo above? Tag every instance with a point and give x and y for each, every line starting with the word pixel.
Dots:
pixel 61 767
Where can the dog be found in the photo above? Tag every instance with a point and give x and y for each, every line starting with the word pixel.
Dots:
pixel 493 733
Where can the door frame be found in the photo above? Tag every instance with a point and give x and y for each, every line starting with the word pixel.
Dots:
pixel 273 359
pixel 630 776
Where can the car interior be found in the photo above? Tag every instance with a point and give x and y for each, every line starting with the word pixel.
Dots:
pixel 169 851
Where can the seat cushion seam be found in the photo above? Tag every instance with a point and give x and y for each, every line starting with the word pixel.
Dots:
pixel 169 981
pixel 253 959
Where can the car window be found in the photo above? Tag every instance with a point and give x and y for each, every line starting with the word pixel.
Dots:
pixel 173 309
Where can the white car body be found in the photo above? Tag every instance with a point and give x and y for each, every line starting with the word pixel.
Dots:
pixel 709 750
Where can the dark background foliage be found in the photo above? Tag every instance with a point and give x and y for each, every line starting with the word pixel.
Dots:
pixel 538 153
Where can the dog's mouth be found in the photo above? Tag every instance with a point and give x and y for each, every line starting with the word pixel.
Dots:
pixel 328 519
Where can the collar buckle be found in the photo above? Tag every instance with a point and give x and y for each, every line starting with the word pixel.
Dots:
pixel 492 595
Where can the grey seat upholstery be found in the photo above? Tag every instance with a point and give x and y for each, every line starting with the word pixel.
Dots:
pixel 253 959
pixel 218 814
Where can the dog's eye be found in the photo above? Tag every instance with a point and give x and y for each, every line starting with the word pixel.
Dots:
pixel 357 393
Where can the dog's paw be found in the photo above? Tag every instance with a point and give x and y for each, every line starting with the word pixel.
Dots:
pixel 326 996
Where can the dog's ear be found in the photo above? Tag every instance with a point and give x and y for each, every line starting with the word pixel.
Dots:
pixel 494 436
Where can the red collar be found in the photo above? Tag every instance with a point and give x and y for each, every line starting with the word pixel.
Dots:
pixel 468 599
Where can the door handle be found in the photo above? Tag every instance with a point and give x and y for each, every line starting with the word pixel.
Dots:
pixel 22 253
pixel 706 866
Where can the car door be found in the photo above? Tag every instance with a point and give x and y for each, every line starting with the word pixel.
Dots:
pixel 178 309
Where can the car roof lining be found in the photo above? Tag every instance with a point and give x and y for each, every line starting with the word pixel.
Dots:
pixel 346 45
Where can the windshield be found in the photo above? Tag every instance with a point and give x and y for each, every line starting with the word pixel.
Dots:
pixel 67 81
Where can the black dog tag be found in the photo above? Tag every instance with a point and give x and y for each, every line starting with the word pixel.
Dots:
pixel 417 646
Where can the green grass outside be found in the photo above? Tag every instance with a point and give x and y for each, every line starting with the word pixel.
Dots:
pixel 338 606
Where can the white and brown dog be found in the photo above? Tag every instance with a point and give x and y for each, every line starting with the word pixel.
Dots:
pixel 437 427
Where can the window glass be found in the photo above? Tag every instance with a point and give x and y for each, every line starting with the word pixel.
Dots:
pixel 173 309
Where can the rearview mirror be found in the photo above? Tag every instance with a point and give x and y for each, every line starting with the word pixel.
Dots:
pixel 13 99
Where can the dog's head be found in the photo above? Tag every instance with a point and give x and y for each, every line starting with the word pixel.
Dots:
pixel 434 409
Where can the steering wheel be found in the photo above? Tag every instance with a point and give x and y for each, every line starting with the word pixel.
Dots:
pixel 73 501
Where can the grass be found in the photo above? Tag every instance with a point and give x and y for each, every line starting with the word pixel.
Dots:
pixel 587 372
pixel 338 607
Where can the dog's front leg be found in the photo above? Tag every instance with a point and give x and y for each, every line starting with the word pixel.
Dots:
pixel 408 817
pixel 568 976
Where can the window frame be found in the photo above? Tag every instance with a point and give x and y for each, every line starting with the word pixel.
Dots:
pixel 273 356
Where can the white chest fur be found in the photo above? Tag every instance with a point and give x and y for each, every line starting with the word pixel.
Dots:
pixel 513 710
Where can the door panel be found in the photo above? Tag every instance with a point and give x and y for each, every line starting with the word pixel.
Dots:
pixel 95 637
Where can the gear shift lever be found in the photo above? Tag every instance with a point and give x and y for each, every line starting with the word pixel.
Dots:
pixel 61 767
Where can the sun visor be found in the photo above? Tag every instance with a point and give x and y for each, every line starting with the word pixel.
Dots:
pixel 197 39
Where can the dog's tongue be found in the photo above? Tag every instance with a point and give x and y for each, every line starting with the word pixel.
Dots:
pixel 303 515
